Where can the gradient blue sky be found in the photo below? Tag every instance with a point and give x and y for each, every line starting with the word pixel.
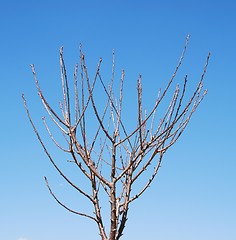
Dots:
pixel 194 195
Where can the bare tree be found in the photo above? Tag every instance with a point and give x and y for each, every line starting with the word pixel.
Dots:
pixel 108 155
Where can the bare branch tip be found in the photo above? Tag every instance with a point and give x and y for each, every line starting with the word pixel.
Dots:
pixel 187 39
pixel 209 55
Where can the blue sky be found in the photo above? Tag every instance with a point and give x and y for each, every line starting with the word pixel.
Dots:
pixel 194 194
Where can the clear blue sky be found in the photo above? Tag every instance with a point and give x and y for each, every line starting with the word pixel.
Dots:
pixel 194 195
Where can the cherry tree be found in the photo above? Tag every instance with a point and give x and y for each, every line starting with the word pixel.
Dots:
pixel 105 153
